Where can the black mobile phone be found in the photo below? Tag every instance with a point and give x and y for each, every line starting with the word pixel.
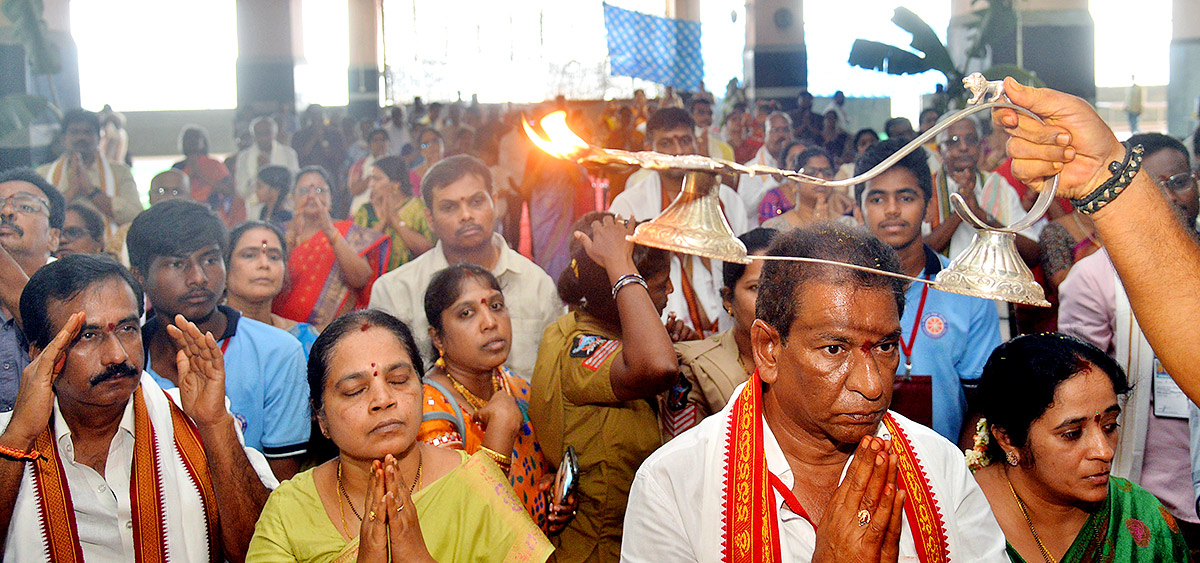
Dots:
pixel 567 477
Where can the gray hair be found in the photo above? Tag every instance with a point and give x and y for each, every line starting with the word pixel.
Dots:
pixel 774 114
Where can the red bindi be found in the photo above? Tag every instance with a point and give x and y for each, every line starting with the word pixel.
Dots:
pixel 365 326
pixel 111 326
pixel 372 364
pixel 484 301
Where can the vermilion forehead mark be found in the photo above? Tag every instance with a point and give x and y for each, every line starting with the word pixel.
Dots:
pixel 111 326
pixel 484 301
pixel 365 326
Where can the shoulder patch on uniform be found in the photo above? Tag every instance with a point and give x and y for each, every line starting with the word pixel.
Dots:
pixel 586 344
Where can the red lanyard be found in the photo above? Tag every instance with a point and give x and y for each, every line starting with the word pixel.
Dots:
pixel 789 498
pixel 912 339
pixel 225 344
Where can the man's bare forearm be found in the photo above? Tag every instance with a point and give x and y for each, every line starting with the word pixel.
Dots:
pixel 1159 265
pixel 240 493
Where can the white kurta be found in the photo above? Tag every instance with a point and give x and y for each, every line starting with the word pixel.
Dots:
pixel 676 502
pixel 245 174
pixel 642 199
pixel 102 507
pixel 753 188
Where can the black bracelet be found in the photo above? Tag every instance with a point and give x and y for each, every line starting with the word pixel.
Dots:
pixel 1123 173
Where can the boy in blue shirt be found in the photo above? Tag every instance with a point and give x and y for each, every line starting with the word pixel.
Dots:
pixel 177 253
pixel 946 337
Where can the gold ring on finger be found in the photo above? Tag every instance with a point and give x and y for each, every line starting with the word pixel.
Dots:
pixel 371 516
pixel 864 518
pixel 399 508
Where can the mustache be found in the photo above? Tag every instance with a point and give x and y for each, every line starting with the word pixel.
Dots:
pixel 6 220
pixel 114 372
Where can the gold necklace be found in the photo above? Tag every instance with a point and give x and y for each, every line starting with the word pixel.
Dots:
pixel 471 398
pixel 1020 504
pixel 417 479
pixel 346 497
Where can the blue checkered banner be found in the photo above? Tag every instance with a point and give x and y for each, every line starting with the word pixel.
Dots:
pixel 657 49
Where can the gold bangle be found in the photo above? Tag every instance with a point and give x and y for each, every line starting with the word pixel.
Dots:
pixel 502 460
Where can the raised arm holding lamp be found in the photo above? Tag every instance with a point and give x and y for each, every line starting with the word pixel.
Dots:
pixel 1077 145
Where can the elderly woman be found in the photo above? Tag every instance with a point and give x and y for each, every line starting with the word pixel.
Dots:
pixel 395 211
pixel 472 401
pixel 599 370
pixel 813 203
pixel 332 263
pixel 1051 407
pixel 387 495
pixel 256 262
pixel 713 368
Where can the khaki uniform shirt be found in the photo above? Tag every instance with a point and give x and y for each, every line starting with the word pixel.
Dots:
pixel 712 367
pixel 573 403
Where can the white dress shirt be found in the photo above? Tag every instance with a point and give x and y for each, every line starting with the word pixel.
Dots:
pixel 642 199
pixel 676 503
pixel 529 293
pixel 102 508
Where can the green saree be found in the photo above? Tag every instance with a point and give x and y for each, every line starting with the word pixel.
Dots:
pixel 1131 526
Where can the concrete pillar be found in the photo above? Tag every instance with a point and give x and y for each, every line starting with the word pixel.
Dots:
pixel 1058 43
pixel 364 58
pixel 1183 91
pixel 268 48
pixel 1055 39
pixel 775 56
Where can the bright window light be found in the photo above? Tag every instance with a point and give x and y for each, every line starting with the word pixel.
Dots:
pixel 1132 42
pixel 322 78
pixel 155 55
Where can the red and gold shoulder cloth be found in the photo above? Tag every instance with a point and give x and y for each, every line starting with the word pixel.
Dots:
pixel 59 530
pixel 750 521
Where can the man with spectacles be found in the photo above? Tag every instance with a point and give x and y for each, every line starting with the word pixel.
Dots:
pixel 647 192
pixel 83 174
pixel 169 184
pixel 1153 447
pixel 987 194
pixel 31 214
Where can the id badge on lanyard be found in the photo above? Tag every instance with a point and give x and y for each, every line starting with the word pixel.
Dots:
pixel 1169 400
pixel 912 395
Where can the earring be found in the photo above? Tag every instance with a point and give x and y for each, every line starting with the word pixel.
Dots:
pixel 1012 458
pixel 440 363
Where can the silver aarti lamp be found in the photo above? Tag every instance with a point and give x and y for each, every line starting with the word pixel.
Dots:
pixel 693 224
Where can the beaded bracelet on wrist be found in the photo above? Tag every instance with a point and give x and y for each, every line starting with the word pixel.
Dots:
pixel 1122 175
pixel 18 455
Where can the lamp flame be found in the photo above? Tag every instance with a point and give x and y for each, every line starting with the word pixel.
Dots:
pixel 559 141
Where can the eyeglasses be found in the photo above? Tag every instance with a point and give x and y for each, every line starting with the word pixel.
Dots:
pixel 955 140
pixel 319 190
pixel 1182 181
pixel 173 192
pixel 430 144
pixel 826 173
pixel 70 234
pixel 26 204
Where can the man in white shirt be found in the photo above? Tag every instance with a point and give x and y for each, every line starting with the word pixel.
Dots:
pixel 752 189
pixel 806 463
pixel 648 192
pixel 98 463
pixel 459 207
pixel 265 151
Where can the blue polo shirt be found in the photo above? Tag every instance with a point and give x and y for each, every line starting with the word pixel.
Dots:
pixel 955 336
pixel 265 381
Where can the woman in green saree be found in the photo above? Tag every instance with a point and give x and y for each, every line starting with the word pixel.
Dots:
pixel 387 496
pixel 1050 408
